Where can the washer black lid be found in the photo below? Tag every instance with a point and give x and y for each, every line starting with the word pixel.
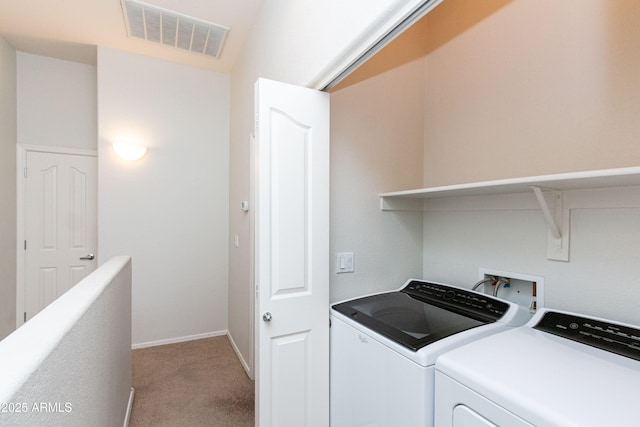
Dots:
pixel 422 313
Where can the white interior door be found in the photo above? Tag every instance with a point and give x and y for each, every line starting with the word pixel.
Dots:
pixel 292 255
pixel 60 225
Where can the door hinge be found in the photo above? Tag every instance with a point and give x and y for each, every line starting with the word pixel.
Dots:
pixel 25 316
pixel 25 245
pixel 25 172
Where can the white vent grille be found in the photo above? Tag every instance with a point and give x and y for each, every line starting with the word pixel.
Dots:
pixel 152 23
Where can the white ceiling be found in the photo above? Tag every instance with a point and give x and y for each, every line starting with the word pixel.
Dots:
pixel 71 29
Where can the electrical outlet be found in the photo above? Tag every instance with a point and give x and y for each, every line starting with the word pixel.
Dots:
pixel 344 262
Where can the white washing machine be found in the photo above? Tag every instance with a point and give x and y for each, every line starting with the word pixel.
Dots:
pixel 384 347
pixel 561 369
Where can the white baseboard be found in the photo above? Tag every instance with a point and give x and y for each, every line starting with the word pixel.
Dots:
pixel 127 415
pixel 243 362
pixel 179 339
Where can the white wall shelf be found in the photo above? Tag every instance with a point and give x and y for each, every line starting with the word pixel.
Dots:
pixel 555 210
pixel 560 182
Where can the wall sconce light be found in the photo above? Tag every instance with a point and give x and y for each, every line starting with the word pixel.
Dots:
pixel 129 151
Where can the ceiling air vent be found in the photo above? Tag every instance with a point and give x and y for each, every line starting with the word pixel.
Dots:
pixel 149 22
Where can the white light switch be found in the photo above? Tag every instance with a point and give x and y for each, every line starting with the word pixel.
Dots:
pixel 344 262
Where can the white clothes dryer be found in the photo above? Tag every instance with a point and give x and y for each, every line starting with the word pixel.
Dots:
pixel 561 369
pixel 384 347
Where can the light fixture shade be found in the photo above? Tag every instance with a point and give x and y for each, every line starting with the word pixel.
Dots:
pixel 129 151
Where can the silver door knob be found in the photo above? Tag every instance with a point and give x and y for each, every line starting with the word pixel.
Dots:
pixel 87 257
pixel 266 317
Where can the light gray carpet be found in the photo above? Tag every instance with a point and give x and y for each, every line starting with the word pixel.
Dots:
pixel 195 383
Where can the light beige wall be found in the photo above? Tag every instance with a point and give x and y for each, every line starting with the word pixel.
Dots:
pixel 537 87
pixel 376 146
pixel 57 102
pixel 168 210
pixel 297 42
pixel 8 138
pixel 602 277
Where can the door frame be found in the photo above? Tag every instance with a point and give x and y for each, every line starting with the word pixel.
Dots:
pixel 253 291
pixel 21 163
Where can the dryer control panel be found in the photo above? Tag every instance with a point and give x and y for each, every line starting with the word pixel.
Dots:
pixel 619 339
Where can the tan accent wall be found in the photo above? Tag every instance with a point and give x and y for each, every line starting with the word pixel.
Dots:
pixel 536 87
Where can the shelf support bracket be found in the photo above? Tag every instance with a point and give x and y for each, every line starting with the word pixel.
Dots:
pixel 553 228
pixel 558 223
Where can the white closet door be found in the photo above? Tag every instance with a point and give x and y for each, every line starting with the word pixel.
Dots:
pixel 292 255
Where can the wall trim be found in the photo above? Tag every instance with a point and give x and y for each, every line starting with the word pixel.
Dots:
pixel 362 50
pixel 179 339
pixel 244 363
pixel 58 150
pixel 127 415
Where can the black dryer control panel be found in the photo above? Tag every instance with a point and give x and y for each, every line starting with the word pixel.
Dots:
pixel 619 339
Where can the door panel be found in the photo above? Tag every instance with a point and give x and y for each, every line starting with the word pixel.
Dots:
pixel 292 255
pixel 78 208
pixel 289 354
pixel 289 209
pixel 60 225
pixel 49 179
pixel 47 286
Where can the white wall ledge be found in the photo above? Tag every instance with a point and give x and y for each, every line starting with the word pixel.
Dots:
pixel 603 178
pixel 77 350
